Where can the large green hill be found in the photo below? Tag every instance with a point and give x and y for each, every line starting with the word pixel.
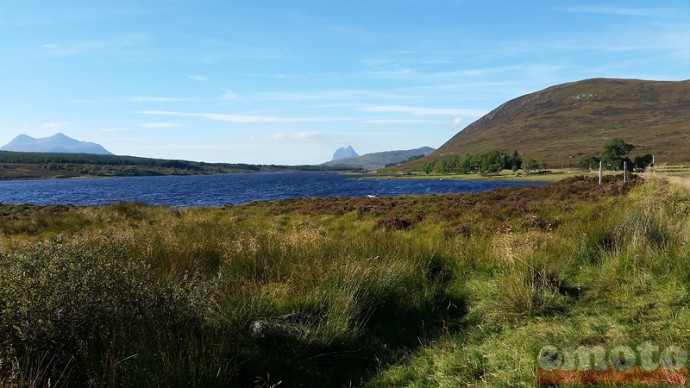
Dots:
pixel 566 123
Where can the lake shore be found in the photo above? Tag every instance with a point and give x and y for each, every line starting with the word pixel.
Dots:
pixel 551 175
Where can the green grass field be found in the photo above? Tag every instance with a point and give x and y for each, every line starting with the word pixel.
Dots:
pixel 551 175
pixel 419 291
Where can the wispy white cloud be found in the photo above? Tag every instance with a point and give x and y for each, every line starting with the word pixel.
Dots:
pixel 617 11
pixel 432 76
pixel 57 14
pixel 135 99
pixel 421 111
pixel 58 50
pixel 300 136
pixel 229 96
pixel 126 41
pixel 197 77
pixel 239 118
pixel 204 147
pixel 159 125
pixel 113 129
pixel 159 99
pixel 331 95
pixel 402 121
pixel 53 126
pixel 296 137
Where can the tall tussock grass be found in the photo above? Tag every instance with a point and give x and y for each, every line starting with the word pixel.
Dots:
pixel 614 272
pixel 329 292
pixel 95 317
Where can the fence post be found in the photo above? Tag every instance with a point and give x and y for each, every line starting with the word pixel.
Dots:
pixel 625 172
pixel 601 172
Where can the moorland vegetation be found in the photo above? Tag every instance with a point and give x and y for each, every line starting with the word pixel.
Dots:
pixel 441 290
pixel 573 120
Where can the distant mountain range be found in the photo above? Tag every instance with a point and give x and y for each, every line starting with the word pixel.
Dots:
pixel 379 159
pixel 58 143
pixel 344 153
pixel 566 123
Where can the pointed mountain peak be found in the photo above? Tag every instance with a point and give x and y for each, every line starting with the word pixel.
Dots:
pixel 23 137
pixel 345 153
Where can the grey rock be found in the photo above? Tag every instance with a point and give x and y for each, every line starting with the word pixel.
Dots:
pixel 285 326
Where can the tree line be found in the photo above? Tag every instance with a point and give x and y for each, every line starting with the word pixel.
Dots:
pixel 94 159
pixel 485 163
pixel 133 165
pixel 614 154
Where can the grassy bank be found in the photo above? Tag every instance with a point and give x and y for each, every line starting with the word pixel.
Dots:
pixel 551 175
pixel 440 290
pixel 505 175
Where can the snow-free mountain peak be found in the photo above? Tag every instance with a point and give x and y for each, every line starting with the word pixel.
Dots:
pixel 345 153
pixel 58 143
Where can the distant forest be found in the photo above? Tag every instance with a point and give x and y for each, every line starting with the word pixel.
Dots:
pixel 110 160
pixel 114 165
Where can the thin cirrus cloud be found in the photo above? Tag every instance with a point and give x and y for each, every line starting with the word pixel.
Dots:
pixel 296 136
pixel 618 11
pixel 229 96
pixel 420 111
pixel 330 95
pixel 196 77
pixel 113 45
pixel 402 121
pixel 159 125
pixel 159 99
pixel 455 122
pixel 239 118
pixel 53 126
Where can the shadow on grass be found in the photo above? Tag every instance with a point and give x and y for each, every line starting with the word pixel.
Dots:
pixel 389 333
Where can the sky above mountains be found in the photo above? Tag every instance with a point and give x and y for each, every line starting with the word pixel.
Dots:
pixel 288 82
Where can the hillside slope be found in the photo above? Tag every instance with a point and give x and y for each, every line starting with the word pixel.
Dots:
pixel 568 122
pixel 379 159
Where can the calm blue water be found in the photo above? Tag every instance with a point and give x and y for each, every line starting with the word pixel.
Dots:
pixel 216 190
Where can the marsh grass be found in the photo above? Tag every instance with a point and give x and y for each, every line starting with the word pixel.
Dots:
pixel 440 290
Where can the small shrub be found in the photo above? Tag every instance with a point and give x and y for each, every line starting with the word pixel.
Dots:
pixel 91 314
pixel 392 223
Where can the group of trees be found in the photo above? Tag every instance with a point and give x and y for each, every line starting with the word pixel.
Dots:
pixel 485 163
pixel 614 154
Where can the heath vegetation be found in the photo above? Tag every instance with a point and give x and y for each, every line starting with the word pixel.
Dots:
pixel 441 290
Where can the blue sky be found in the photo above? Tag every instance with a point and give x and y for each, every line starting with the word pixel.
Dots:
pixel 288 82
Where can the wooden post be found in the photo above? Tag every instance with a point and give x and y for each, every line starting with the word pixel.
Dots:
pixel 601 172
pixel 625 172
